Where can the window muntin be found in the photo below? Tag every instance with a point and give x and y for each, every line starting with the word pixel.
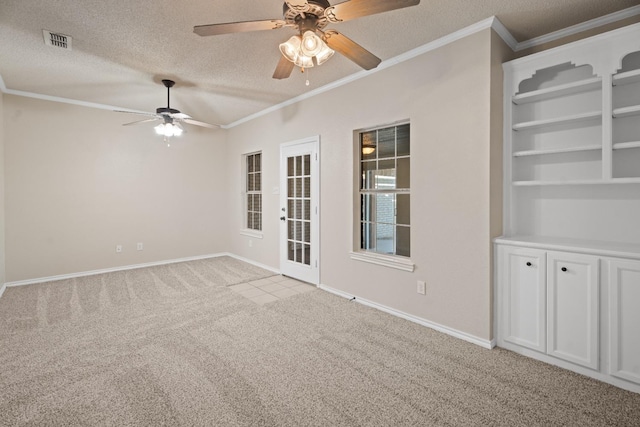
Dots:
pixel 253 192
pixel 385 222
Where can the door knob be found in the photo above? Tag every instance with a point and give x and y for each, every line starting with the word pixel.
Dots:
pixel 528 264
pixel 282 218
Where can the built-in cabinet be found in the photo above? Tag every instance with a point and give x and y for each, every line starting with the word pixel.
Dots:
pixel 573 306
pixel 568 263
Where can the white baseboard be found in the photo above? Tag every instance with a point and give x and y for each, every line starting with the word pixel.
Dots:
pixel 2 288
pixel 248 261
pixel 440 328
pixel 109 270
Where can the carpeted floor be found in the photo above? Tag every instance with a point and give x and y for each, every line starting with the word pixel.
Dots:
pixel 173 345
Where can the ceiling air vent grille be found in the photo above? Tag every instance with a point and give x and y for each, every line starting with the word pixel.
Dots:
pixel 56 40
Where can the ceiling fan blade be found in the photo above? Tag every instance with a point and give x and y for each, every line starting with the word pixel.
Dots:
pixel 139 113
pixel 283 69
pixel 238 27
pixel 352 9
pixel 351 49
pixel 180 116
pixel 137 122
pixel 202 124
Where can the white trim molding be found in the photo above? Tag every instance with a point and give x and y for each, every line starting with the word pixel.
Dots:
pixel 488 344
pixel 399 263
pixel 110 270
pixel 578 28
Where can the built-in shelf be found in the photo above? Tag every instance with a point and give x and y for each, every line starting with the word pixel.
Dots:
pixel 577 182
pixel 621 249
pixel 558 121
pixel 556 91
pixel 628 77
pixel 623 145
pixel 557 151
pixel 634 110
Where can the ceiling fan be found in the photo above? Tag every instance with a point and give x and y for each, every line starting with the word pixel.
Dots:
pixel 170 117
pixel 313 45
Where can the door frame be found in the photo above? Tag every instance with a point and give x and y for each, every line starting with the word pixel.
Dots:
pixel 309 145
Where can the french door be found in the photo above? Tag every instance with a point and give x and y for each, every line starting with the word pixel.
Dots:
pixel 300 209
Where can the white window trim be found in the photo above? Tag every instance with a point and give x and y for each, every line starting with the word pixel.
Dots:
pixel 398 262
pixel 392 261
pixel 258 234
pixel 251 233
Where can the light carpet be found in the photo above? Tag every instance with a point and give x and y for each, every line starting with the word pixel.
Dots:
pixel 173 345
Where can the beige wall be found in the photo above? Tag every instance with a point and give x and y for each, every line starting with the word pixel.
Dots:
pixel 2 239
pixel 78 183
pixel 446 94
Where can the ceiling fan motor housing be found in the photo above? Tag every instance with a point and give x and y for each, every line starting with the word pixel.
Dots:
pixel 312 19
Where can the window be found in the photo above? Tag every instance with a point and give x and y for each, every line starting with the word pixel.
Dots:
pixel 253 192
pixel 385 190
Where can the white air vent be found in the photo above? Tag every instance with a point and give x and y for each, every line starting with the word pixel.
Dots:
pixel 56 40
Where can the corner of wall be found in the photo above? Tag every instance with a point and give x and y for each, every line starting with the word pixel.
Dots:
pixel 2 239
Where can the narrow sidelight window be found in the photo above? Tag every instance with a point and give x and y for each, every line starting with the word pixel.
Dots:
pixel 253 192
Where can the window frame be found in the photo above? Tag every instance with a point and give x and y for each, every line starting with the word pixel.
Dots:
pixel 358 253
pixel 247 175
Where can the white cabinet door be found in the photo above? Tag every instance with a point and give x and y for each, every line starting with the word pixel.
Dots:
pixel 523 288
pixel 572 304
pixel 624 312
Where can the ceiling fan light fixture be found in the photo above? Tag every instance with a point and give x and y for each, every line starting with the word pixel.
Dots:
pixel 311 45
pixel 168 129
pixel 325 53
pixel 291 48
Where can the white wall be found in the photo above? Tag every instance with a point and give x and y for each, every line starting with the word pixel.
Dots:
pixel 78 183
pixel 446 94
pixel 2 239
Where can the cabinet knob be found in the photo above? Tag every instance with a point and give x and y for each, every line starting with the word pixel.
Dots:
pixel 564 269
pixel 528 264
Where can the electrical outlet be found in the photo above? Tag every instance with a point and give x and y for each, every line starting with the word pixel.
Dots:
pixel 140 246
pixel 118 249
pixel 422 287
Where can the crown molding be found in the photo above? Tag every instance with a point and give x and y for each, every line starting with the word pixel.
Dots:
pixel 579 28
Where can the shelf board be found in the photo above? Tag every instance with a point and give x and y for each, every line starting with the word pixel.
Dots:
pixel 623 145
pixel 557 121
pixel 556 91
pixel 628 77
pixel 577 182
pixel 634 110
pixel 557 151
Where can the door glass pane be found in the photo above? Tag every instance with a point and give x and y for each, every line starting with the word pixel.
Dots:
pixel 307 164
pixel 307 232
pixel 307 187
pixel 291 187
pixel 298 165
pixel 292 254
pixel 298 205
pixel 307 254
pixel 307 210
pixel 298 192
pixel 290 168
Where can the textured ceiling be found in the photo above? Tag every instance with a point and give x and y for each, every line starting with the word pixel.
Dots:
pixel 123 48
